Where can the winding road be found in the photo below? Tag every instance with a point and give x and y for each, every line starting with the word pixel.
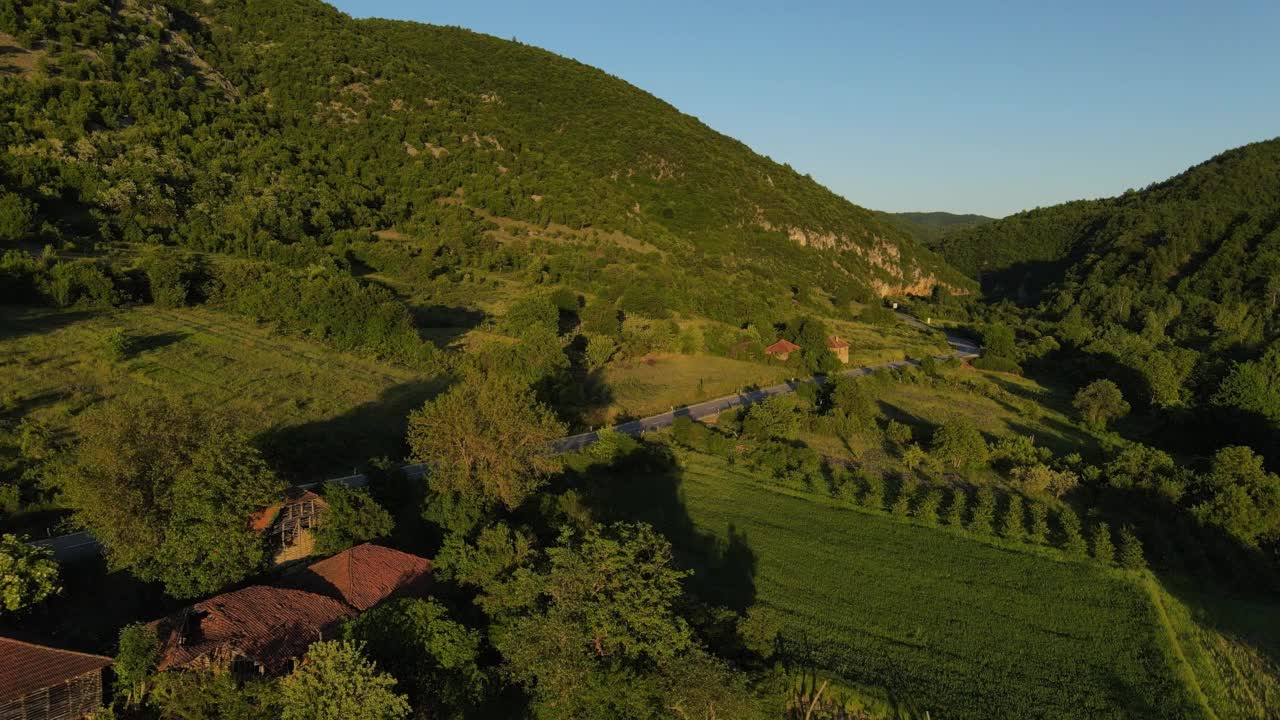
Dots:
pixel 82 544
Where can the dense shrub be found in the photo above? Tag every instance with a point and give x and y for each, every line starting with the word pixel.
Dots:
pixel 997 364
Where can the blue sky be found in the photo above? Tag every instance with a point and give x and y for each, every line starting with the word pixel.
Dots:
pixel 979 106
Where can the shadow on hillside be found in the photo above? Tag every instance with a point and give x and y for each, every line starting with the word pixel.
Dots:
pixel 327 448
pixel 1024 281
pixel 645 486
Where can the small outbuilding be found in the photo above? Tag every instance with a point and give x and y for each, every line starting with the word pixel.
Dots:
pixel 290 525
pixel 782 349
pixel 44 683
pixel 839 347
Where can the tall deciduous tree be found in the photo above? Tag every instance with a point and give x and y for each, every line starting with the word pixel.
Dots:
pixel 433 657
pixel 169 492
pixel 1100 402
pixel 335 681
pixel 960 445
pixel 486 438
pixel 1254 387
pixel 353 517
pixel 593 632
pixel 1241 496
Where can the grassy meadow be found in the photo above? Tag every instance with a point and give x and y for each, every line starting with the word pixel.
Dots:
pixel 314 410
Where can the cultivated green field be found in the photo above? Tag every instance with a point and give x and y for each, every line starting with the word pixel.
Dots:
pixel 315 410
pixel 958 627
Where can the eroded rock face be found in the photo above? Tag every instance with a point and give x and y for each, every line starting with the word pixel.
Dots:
pixel 880 254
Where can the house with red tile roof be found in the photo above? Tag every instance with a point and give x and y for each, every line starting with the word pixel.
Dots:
pixel 262 628
pixel 839 347
pixel 44 683
pixel 782 349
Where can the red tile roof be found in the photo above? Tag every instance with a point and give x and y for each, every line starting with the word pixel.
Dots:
pixel 363 576
pixel 26 668
pixel 268 625
pixel 836 343
pixel 782 346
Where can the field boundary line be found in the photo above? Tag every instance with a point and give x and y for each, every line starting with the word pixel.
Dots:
pixel 1185 667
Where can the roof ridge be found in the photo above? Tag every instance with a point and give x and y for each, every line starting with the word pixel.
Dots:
pixel 38 646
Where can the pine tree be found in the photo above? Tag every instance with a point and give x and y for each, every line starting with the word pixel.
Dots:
pixel 1039 522
pixel 902 501
pixel 873 491
pixel 1130 552
pixel 950 513
pixel 1071 541
pixel 927 511
pixel 982 511
pixel 1103 551
pixel 1011 526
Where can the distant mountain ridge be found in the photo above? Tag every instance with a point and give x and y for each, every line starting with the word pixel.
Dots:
pixel 928 228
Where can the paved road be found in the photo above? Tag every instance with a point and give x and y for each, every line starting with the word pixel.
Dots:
pixel 81 544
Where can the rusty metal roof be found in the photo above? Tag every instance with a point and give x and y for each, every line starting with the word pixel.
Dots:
pixel 363 576
pixel 272 624
pixel 268 625
pixel 25 668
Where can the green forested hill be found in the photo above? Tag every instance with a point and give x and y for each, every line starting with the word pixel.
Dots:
pixel 1210 231
pixel 285 130
pixel 1173 291
pixel 929 228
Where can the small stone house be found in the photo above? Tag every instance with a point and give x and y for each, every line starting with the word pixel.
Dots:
pixel 289 525
pixel 782 349
pixel 44 683
pixel 839 347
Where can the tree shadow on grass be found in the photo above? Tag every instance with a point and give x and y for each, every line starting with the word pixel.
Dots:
pixel 644 485
pixel 147 343
pixel 334 447
pixel 17 321
pixel 444 324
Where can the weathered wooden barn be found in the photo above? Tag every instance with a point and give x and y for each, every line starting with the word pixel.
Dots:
pixel 289 525
pixel 44 683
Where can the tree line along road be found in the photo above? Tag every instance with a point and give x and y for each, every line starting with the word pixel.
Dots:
pixel 82 544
